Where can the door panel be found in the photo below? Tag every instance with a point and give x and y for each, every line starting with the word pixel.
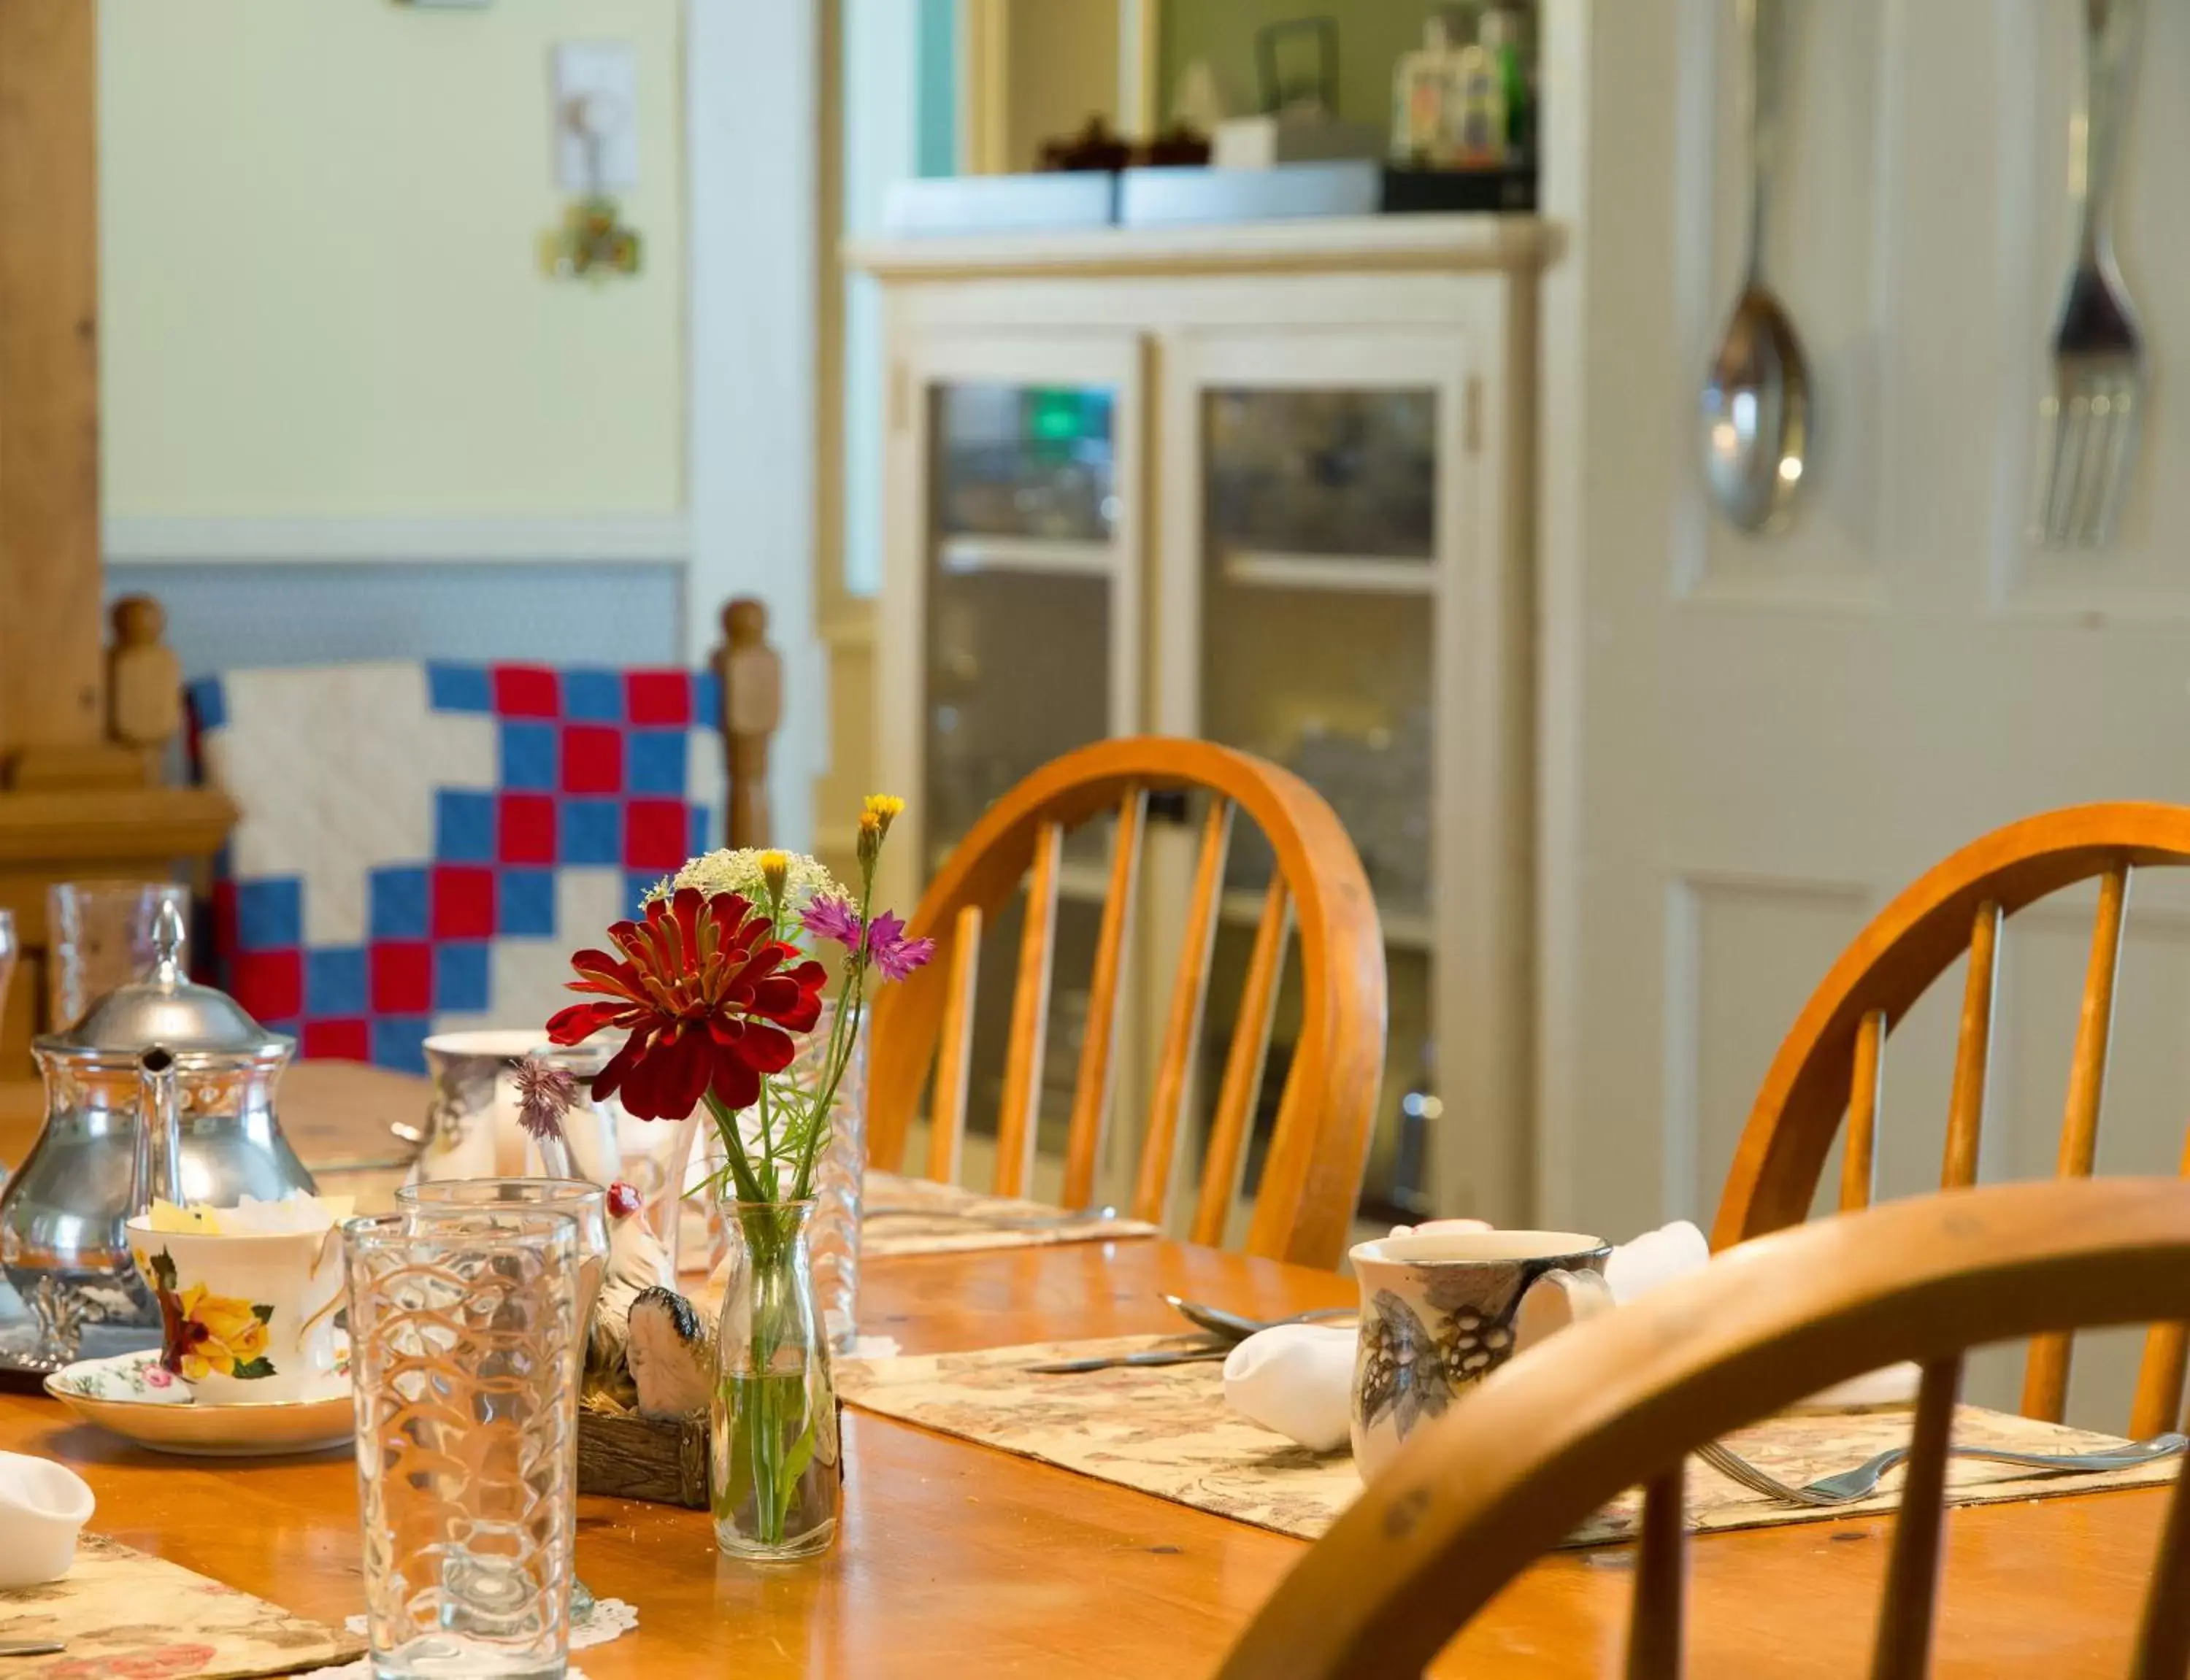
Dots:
pixel 1753 743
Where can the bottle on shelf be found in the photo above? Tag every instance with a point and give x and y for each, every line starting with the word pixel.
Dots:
pixel 1452 99
pixel 1500 35
pixel 1477 115
pixel 1423 85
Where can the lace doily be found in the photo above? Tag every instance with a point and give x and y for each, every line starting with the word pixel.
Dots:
pixel 612 1618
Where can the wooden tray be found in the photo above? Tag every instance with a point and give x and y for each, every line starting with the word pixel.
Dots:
pixel 634 1457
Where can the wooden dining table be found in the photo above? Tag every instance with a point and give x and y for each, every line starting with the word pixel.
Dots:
pixel 958 1559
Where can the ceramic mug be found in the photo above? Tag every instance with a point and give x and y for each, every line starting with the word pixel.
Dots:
pixel 1441 1310
pixel 248 1318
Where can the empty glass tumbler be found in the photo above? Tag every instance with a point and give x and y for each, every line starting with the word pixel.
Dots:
pixel 465 1355
pixel 99 936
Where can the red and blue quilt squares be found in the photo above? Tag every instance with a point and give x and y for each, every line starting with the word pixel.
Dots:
pixel 421 845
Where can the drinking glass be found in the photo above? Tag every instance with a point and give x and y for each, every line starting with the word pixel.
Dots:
pixel 101 937
pixel 840 1178
pixel 464 1346
pixel 585 1205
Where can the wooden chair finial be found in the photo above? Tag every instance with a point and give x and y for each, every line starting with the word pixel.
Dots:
pixel 144 677
pixel 750 673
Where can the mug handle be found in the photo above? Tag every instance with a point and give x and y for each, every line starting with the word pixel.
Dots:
pixel 1556 1300
pixel 331 1244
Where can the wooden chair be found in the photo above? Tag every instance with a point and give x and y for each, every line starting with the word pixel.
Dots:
pixel 1314 1169
pixel 1832 1062
pixel 1621 1401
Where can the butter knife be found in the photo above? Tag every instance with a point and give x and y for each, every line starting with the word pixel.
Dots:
pixel 31 1648
pixel 1151 1356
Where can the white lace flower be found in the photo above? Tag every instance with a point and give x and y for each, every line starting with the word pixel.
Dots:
pixel 739 872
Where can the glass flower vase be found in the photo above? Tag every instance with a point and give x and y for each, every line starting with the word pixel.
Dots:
pixel 775 1452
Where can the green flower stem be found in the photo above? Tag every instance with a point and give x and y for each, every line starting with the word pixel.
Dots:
pixel 733 1151
pixel 847 1011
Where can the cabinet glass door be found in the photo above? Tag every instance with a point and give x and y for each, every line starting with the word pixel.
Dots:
pixel 1314 573
pixel 1026 565
pixel 1022 567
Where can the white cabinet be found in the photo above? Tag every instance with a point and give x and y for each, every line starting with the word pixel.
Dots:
pixel 1269 485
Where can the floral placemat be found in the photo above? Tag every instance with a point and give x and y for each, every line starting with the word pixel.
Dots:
pixel 124 1612
pixel 919 1216
pixel 1165 1430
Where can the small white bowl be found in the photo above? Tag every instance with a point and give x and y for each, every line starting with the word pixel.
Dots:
pixel 44 1506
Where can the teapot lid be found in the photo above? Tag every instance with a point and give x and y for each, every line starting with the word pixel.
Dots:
pixel 167 1009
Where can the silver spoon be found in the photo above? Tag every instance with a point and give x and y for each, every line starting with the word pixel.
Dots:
pixel 1238 1327
pixel 1756 397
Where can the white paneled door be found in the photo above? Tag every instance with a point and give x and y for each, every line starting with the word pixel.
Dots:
pixel 1752 745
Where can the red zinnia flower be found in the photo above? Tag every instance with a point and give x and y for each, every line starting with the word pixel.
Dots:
pixel 709 999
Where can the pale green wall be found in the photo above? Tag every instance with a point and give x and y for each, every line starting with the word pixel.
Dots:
pixel 320 293
pixel 1371 36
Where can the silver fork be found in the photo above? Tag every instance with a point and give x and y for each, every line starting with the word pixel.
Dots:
pixel 1860 1483
pixel 2088 421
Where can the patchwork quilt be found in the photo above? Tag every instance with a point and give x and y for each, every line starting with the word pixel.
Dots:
pixel 421 845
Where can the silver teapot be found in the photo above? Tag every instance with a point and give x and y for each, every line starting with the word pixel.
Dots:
pixel 164 1089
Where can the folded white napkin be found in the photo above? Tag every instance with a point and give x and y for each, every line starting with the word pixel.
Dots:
pixel 1654 1259
pixel 42 1507
pixel 1295 1380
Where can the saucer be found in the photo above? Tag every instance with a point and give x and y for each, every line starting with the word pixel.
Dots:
pixel 131 1395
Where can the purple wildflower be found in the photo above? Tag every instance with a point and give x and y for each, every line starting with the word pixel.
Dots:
pixel 894 954
pixel 545 1092
pixel 833 918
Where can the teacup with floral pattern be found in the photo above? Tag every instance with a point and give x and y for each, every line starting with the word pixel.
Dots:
pixel 1442 1307
pixel 246 1317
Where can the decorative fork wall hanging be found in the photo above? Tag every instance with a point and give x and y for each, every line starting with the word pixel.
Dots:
pixel 2088 419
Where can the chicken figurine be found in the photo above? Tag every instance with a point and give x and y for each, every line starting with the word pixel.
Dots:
pixel 671 1355
pixel 648 1350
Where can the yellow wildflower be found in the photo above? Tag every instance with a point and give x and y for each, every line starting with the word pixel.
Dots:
pixel 774 872
pixel 884 808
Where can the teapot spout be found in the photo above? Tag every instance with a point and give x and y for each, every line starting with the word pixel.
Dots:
pixel 156 1170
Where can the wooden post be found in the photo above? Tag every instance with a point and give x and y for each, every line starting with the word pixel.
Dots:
pixel 52 682
pixel 72 803
pixel 752 674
